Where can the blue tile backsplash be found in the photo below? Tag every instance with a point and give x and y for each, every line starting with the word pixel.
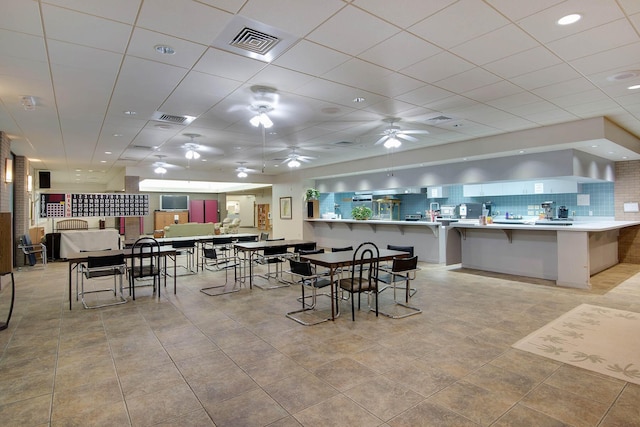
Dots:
pixel 601 202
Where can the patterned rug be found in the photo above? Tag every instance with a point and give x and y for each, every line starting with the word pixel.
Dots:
pixel 600 339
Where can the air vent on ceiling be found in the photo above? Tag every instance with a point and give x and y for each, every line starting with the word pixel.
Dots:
pixel 253 39
pixel 141 147
pixel 439 119
pixel 170 118
pixel 343 143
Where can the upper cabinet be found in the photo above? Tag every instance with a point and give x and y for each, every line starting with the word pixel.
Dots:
pixel 437 192
pixel 513 188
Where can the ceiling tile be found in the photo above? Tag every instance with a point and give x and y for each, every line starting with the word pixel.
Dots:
pixel 357 73
pixel 21 16
pixel 404 12
pixel 545 77
pixel 143 44
pixel 516 10
pixel 309 13
pixel 352 31
pixel 523 62
pixel 337 93
pixel 458 23
pixel 497 44
pixel 400 51
pixel 515 100
pixel 493 91
pixel 468 80
pixel 197 93
pixel 224 64
pixel 426 93
pixel 543 25
pixel 75 27
pixel 311 58
pixel 569 87
pixel 280 78
pixel 595 40
pixel 185 19
pixel 437 67
pixel 630 6
pixel 119 10
pixel 232 6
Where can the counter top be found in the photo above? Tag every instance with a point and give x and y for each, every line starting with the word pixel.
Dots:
pixel 575 226
pixel 372 221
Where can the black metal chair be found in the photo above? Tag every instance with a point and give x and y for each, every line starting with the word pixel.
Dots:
pixel 303 247
pixel 103 266
pixel 363 277
pixel 145 263
pixel 30 250
pixel 342 249
pixel 388 266
pixel 213 262
pixel 187 248
pixel 403 270
pixel 273 255
pixel 306 277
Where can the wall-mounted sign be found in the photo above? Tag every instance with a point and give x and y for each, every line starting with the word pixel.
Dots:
pixel 91 205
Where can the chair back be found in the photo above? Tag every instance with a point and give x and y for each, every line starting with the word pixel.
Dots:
pixel 247 239
pixel 301 268
pixel 408 249
pixel 209 253
pixel 310 252
pixel 105 261
pixel 343 249
pixel 183 244
pixel 145 257
pixel 365 265
pixel 304 247
pixel 275 250
pixel 404 264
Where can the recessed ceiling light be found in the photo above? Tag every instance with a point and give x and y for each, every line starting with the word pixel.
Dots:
pixel 609 152
pixel 625 157
pixel 130 113
pixel 78 170
pixel 359 99
pixel 103 161
pixel 623 75
pixel 164 49
pixel 521 151
pixel 569 19
pixel 634 87
pixel 594 146
pixel 107 152
pixel 117 135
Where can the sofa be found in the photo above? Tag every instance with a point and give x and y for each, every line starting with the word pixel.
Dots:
pixel 189 229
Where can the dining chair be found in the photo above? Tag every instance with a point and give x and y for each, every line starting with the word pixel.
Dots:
pixel 403 270
pixel 213 262
pixel 273 255
pixel 145 264
pixel 363 276
pixel 103 266
pixel 305 276
pixel 389 266
pixel 303 247
pixel 31 250
pixel 188 249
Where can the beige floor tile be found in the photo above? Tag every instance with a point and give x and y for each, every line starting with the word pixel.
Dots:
pixel 625 411
pixel 427 414
pixel 565 406
pixel 510 385
pixel 337 411
pixel 520 415
pixel 587 384
pixel 29 412
pixel 344 373
pixel 169 403
pixel 384 398
pixel 298 392
pixel 254 408
pixel 114 414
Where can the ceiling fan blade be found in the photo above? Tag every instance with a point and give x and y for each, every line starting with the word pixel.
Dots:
pixel 407 137
pixel 381 140
pixel 415 132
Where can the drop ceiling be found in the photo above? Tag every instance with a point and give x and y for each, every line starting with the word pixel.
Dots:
pixel 462 70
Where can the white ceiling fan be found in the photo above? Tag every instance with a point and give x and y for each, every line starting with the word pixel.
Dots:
pixel 161 167
pixel 293 159
pixel 243 171
pixel 392 134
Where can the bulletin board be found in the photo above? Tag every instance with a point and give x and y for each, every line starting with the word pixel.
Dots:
pixel 93 205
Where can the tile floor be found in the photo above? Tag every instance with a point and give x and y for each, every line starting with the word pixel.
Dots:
pixel 236 360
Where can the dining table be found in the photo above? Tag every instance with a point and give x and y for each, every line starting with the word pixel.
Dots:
pixel 336 260
pixel 76 258
pixel 249 249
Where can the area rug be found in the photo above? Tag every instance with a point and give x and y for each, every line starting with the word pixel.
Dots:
pixel 600 339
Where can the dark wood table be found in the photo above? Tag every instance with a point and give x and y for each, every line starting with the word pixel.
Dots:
pixel 335 260
pixel 77 258
pixel 251 248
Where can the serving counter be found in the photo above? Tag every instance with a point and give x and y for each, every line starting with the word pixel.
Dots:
pixel 432 241
pixel 567 254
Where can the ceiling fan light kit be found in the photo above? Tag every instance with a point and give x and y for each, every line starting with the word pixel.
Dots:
pixel 294 163
pixel 192 154
pixel 261 119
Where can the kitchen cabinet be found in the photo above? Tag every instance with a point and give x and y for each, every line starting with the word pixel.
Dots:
pixel 514 188
pixel 437 192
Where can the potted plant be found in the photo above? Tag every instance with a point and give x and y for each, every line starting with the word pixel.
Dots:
pixel 311 195
pixel 361 212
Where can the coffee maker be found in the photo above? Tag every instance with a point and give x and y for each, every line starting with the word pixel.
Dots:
pixel 548 209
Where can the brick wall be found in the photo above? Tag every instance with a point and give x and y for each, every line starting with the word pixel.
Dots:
pixel 627 189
